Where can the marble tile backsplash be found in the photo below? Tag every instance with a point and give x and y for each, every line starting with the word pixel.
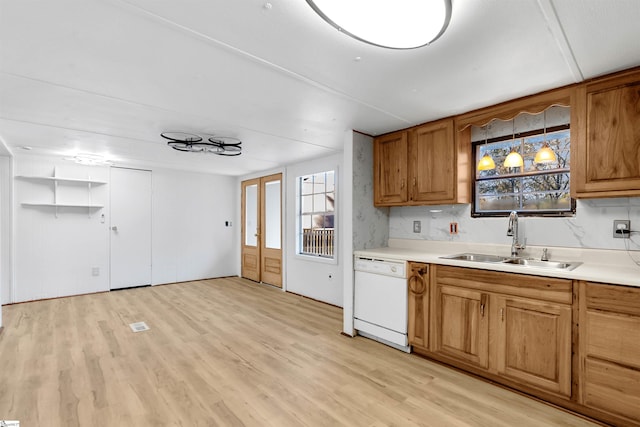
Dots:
pixel 591 227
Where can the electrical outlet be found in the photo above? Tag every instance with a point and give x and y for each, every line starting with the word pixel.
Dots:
pixel 95 271
pixel 417 226
pixel 621 228
pixel 453 228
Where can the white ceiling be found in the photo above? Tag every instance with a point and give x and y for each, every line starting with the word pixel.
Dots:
pixel 108 76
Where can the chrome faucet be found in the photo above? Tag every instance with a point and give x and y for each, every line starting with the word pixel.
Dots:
pixel 512 230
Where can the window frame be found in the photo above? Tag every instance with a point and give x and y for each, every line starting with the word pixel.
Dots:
pixel 332 259
pixel 475 213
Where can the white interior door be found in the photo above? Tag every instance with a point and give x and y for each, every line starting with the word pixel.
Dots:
pixel 130 228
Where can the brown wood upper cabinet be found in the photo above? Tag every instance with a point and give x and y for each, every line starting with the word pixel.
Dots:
pixel 390 169
pixel 606 147
pixel 418 166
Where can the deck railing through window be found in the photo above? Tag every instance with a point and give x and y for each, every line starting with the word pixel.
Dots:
pixel 318 241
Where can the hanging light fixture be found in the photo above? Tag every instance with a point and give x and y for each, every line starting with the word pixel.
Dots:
pixel 220 145
pixel 514 159
pixel 400 24
pixel 545 154
pixel 486 162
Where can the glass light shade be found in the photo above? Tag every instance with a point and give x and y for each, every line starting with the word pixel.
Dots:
pixel 399 24
pixel 513 160
pixel 486 163
pixel 545 155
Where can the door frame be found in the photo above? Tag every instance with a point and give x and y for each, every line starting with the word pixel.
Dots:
pixel 261 249
pixel 111 225
pixel 245 250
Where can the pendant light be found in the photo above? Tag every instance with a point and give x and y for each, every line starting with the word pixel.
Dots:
pixel 545 154
pixel 486 163
pixel 514 159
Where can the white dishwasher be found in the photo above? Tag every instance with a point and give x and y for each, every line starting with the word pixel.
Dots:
pixel 380 301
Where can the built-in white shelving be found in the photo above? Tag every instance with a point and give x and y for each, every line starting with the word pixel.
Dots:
pixel 57 181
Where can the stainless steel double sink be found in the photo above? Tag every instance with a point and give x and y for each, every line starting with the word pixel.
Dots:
pixel 522 262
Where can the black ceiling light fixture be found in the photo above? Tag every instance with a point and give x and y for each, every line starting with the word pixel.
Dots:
pixel 400 24
pixel 189 142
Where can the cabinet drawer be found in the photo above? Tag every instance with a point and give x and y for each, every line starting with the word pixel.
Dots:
pixel 522 285
pixel 614 337
pixel 619 299
pixel 612 388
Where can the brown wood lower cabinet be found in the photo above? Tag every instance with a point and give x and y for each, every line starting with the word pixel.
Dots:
pixel 510 326
pixel 610 350
pixel 573 344
pixel 418 304
pixel 461 325
pixel 534 343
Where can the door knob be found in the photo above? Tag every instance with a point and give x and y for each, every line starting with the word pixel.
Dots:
pixel 114 228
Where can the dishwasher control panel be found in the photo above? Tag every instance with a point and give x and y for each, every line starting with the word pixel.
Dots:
pixel 379 266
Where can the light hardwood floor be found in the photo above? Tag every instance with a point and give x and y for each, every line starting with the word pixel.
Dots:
pixel 228 352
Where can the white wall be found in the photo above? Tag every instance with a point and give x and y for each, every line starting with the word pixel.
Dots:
pixel 314 278
pixel 190 239
pixel 55 256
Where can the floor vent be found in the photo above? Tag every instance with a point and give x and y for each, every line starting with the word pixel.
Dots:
pixel 138 327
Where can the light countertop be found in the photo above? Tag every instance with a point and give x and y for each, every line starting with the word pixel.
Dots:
pixel 604 266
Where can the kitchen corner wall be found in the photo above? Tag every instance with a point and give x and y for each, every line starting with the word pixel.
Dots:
pixel 370 224
pixel 591 227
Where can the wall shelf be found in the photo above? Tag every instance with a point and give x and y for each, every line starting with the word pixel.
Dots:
pixel 57 181
pixel 61 180
pixel 63 205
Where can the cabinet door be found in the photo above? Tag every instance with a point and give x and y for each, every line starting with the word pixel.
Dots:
pixel 608 157
pixel 462 325
pixel 534 343
pixel 390 169
pixel 432 163
pixel 418 328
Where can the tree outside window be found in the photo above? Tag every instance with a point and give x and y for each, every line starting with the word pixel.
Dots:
pixel 534 188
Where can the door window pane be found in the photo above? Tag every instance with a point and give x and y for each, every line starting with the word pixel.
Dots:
pixel 251 215
pixel 272 215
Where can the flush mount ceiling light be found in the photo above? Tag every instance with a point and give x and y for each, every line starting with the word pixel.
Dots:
pixel 220 145
pixel 399 24
pixel 88 159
